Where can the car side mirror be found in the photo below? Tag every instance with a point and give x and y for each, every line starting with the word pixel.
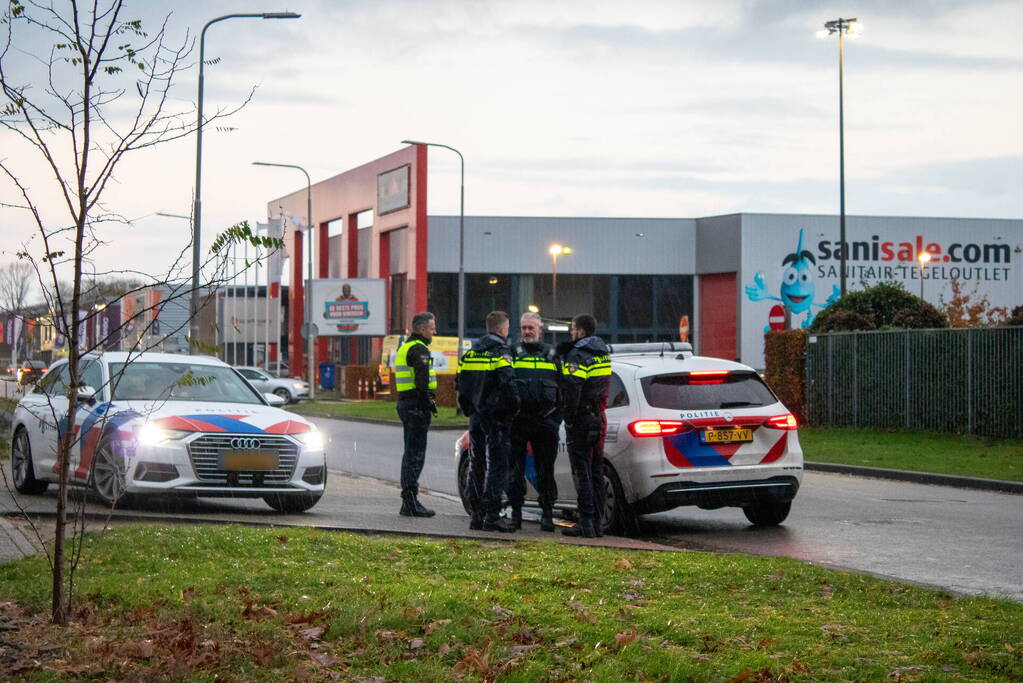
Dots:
pixel 87 394
pixel 274 400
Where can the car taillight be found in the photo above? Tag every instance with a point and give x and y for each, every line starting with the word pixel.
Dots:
pixel 655 427
pixel 787 421
pixel 707 376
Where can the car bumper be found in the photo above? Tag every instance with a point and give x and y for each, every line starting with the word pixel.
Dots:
pixel 186 469
pixel 713 495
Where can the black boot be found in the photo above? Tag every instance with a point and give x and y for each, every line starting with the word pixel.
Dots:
pixel 411 507
pixel 496 523
pixel 547 520
pixel 598 527
pixel 516 517
pixel 583 529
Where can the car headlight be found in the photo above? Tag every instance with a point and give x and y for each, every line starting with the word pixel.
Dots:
pixel 312 440
pixel 299 385
pixel 152 435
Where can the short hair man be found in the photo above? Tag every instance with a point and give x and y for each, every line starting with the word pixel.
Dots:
pixel 487 394
pixel 538 376
pixel 586 376
pixel 416 383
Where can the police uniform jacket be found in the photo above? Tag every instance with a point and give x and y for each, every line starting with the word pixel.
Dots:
pixel 486 380
pixel 422 394
pixel 586 377
pixel 538 377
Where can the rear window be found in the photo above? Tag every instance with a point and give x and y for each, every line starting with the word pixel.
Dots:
pixel 680 392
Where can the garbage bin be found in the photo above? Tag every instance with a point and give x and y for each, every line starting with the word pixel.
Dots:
pixel 327 378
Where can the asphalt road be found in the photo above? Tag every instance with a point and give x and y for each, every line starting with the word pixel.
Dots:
pixel 963 540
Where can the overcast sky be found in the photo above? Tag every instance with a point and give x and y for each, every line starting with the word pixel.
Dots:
pixel 589 108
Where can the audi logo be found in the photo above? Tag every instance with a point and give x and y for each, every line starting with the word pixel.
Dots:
pixel 245 443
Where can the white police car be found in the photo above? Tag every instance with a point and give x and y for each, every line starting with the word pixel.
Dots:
pixel 684 430
pixel 167 424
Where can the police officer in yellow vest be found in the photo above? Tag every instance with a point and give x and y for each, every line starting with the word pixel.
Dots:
pixel 416 383
pixel 538 376
pixel 488 395
pixel 586 378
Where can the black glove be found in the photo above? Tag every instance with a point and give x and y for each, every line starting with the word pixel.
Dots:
pixel 433 408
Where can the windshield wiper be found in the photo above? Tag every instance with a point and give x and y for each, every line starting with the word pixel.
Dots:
pixel 738 404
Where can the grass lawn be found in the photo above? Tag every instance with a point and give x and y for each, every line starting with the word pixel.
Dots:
pixel 206 602
pixel 381 410
pixel 919 451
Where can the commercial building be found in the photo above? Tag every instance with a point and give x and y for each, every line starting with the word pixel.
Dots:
pixel 733 276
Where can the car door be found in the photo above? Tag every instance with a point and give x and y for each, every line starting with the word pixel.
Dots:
pixel 49 411
pixel 258 380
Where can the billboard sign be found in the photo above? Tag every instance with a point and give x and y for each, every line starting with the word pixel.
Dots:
pixel 349 306
pixel 245 319
pixel 392 190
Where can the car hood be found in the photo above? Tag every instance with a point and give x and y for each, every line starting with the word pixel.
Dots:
pixel 230 418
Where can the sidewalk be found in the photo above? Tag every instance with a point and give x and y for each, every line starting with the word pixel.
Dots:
pixel 353 504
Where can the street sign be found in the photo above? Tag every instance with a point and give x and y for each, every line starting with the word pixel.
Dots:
pixel 306 328
pixel 776 317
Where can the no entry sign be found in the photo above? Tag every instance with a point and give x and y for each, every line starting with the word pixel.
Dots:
pixel 776 318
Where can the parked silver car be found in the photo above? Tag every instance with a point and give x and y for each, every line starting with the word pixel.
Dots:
pixel 291 390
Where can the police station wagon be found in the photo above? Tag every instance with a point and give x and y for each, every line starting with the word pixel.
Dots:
pixel 685 430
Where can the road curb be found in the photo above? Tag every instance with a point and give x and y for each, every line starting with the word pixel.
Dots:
pixel 919 477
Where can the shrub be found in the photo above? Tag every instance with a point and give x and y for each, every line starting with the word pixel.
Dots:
pixel 846 321
pixel 879 305
pixel 1017 316
pixel 785 358
pixel 967 309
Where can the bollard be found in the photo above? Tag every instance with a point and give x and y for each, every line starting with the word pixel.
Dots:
pixel 362 389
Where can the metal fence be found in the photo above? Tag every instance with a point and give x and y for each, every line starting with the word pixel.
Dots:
pixel 968 381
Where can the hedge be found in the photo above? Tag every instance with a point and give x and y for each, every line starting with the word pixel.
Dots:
pixel 785 359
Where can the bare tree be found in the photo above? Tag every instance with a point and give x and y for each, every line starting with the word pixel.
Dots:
pixel 16 279
pixel 94 91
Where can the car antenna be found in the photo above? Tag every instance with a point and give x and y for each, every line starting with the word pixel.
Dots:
pixel 662 349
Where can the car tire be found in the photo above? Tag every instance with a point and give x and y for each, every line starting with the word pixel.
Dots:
pixel 618 517
pixel 463 481
pixel 22 469
pixel 291 504
pixel 107 473
pixel 283 393
pixel 770 513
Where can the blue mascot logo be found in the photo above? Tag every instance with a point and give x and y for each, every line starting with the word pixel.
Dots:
pixel 797 287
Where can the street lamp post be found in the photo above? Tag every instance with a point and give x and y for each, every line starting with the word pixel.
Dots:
pixel 461 238
pixel 852 28
pixel 923 258
pixel 556 250
pixel 197 208
pixel 308 295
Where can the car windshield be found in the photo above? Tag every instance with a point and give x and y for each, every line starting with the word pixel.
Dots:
pixel 682 392
pixel 172 381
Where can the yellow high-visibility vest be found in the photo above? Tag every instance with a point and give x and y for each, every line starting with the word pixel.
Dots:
pixel 404 377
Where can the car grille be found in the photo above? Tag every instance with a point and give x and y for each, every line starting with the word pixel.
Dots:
pixel 205 453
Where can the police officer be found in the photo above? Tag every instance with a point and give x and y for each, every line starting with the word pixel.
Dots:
pixel 416 383
pixel 538 376
pixel 586 377
pixel 487 393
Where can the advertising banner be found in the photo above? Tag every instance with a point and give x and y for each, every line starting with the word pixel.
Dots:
pixel 245 319
pixel 790 265
pixel 349 306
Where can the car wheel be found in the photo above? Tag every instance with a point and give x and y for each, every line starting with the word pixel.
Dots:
pixel 767 514
pixel 617 517
pixel 22 470
pixel 283 393
pixel 108 473
pixel 293 503
pixel 463 481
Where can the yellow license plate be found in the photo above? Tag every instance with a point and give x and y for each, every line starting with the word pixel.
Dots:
pixel 248 460
pixel 726 435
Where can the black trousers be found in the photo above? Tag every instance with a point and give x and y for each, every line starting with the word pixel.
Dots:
pixel 542 434
pixel 415 425
pixel 489 448
pixel 586 455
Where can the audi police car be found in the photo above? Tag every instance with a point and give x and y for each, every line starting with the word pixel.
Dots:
pixel 684 430
pixel 167 424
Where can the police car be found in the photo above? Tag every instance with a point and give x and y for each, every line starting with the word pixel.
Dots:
pixel 157 423
pixel 684 430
